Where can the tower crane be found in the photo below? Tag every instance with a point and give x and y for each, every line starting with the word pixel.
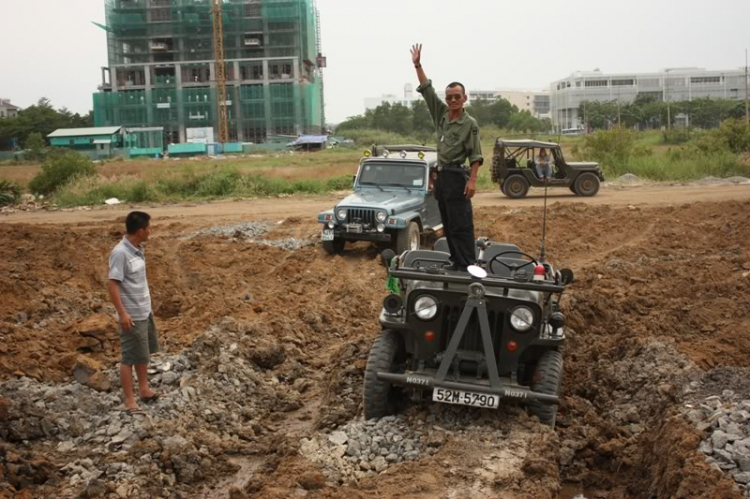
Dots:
pixel 221 76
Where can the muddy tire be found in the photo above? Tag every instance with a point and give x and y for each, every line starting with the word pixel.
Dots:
pixel 572 188
pixel 335 247
pixel 380 398
pixel 515 187
pixel 547 379
pixel 587 184
pixel 408 238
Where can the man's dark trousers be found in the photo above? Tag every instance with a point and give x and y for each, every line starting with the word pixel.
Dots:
pixel 457 216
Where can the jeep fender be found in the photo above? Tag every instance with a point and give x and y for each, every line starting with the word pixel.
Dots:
pixel 404 218
pixel 322 216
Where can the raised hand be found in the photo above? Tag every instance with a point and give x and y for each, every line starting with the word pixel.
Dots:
pixel 416 54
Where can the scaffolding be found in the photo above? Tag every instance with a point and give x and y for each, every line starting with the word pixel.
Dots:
pixel 162 70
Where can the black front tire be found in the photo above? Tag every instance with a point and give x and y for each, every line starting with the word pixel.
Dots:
pixel 587 184
pixel 335 247
pixel 547 379
pixel 408 238
pixel 380 397
pixel 516 187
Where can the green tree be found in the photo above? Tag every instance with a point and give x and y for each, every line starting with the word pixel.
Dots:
pixel 36 145
pixel 60 169
pixel 496 113
pixel 421 121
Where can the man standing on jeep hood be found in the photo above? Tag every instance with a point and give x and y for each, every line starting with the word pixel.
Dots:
pixel 457 141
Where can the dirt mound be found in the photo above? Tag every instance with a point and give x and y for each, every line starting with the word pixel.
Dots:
pixel 266 339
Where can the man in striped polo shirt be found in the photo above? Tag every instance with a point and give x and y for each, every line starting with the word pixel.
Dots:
pixel 128 289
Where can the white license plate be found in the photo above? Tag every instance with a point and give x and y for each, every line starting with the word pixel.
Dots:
pixel 461 397
pixel 327 235
pixel 356 228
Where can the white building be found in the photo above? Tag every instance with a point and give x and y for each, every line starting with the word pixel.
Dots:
pixel 8 110
pixel 535 102
pixel 669 85
pixel 408 97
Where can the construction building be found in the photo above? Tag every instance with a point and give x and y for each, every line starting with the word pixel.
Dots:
pixel 163 73
pixel 669 85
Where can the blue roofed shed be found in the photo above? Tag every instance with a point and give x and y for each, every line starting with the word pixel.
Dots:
pixel 97 142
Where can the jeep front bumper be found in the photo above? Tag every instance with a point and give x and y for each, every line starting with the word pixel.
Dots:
pixel 507 388
pixel 365 235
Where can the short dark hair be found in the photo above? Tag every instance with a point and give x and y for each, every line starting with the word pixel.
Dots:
pixel 136 220
pixel 457 84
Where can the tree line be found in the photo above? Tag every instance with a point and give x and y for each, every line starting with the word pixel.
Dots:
pixel 647 113
pixel 415 120
pixel 40 119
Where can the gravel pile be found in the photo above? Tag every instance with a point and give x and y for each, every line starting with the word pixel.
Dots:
pixel 249 230
pixel 362 447
pixel 724 421
pixel 253 232
pixel 219 399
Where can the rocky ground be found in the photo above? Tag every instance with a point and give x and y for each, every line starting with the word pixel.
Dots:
pixel 265 342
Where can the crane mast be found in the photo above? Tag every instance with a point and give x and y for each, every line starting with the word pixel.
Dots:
pixel 221 77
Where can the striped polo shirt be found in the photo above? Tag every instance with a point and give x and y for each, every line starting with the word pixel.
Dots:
pixel 127 264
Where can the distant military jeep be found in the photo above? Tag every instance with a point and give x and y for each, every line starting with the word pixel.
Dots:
pixel 392 204
pixel 514 168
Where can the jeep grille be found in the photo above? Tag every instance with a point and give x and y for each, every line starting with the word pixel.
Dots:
pixel 365 216
pixel 472 340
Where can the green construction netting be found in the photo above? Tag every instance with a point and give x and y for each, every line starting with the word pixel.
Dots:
pixel 282 27
pixel 166 31
pixel 144 138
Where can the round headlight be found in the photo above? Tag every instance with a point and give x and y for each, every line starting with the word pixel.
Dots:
pixel 381 216
pixel 380 227
pixel 341 214
pixel 425 307
pixel 522 319
pixel 331 225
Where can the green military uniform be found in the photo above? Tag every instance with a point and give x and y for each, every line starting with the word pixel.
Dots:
pixel 457 140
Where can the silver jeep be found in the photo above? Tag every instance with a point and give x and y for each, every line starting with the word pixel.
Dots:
pixel 392 203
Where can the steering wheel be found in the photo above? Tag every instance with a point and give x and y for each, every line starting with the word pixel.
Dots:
pixel 512 267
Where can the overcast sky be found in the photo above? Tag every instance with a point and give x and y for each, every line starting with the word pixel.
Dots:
pixel 50 48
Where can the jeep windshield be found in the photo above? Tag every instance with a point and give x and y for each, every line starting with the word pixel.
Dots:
pixel 392 175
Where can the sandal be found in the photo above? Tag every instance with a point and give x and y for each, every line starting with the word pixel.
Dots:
pixel 152 398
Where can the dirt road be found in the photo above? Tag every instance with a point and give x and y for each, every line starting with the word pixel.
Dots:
pixel 309 206
pixel 266 339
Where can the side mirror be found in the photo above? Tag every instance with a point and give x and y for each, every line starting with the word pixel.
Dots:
pixel 566 277
pixel 386 257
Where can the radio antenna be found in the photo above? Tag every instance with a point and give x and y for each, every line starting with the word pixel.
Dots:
pixel 544 223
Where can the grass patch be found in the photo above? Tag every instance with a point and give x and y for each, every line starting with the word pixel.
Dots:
pixel 682 165
pixel 191 185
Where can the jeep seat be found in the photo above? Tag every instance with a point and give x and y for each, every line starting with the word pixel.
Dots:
pixel 425 258
pixel 442 245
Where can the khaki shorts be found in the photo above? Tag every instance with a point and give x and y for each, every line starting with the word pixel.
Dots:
pixel 139 342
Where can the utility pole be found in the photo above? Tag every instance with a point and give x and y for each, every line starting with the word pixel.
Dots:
pixel 747 101
pixel 669 115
